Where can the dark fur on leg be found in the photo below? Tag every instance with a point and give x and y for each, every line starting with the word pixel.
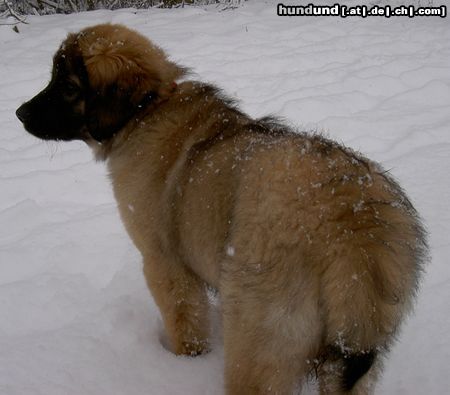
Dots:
pixel 356 366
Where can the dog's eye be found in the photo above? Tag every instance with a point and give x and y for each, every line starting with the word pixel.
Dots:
pixel 71 88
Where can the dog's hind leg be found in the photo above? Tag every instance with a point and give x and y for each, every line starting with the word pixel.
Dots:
pixel 269 341
pixel 261 360
pixel 182 299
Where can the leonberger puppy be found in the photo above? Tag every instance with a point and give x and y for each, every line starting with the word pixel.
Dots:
pixel 315 251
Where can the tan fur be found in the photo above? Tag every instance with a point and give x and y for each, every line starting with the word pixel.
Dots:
pixel 312 247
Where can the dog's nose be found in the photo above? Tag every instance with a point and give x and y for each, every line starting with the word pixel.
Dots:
pixel 22 112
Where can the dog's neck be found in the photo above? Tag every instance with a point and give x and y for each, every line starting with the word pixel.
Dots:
pixel 102 149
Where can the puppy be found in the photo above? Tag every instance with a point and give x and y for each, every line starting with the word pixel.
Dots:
pixel 315 250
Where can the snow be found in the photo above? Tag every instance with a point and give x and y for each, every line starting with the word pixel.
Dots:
pixel 75 314
pixel 230 251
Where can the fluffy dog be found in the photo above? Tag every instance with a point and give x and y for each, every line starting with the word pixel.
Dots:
pixel 315 250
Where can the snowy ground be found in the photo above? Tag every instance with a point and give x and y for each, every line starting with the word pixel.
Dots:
pixel 75 316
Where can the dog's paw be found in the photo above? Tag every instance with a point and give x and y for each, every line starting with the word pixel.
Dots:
pixel 193 347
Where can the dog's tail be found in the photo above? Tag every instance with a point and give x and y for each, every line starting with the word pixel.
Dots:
pixel 369 285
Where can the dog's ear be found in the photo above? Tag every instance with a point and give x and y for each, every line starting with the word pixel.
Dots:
pixel 118 90
pixel 125 72
pixel 118 87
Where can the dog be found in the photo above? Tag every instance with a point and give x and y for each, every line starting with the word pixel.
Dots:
pixel 315 251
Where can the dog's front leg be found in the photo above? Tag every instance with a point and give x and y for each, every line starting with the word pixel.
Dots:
pixel 182 299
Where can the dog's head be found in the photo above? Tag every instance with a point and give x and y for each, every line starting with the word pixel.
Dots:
pixel 101 78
